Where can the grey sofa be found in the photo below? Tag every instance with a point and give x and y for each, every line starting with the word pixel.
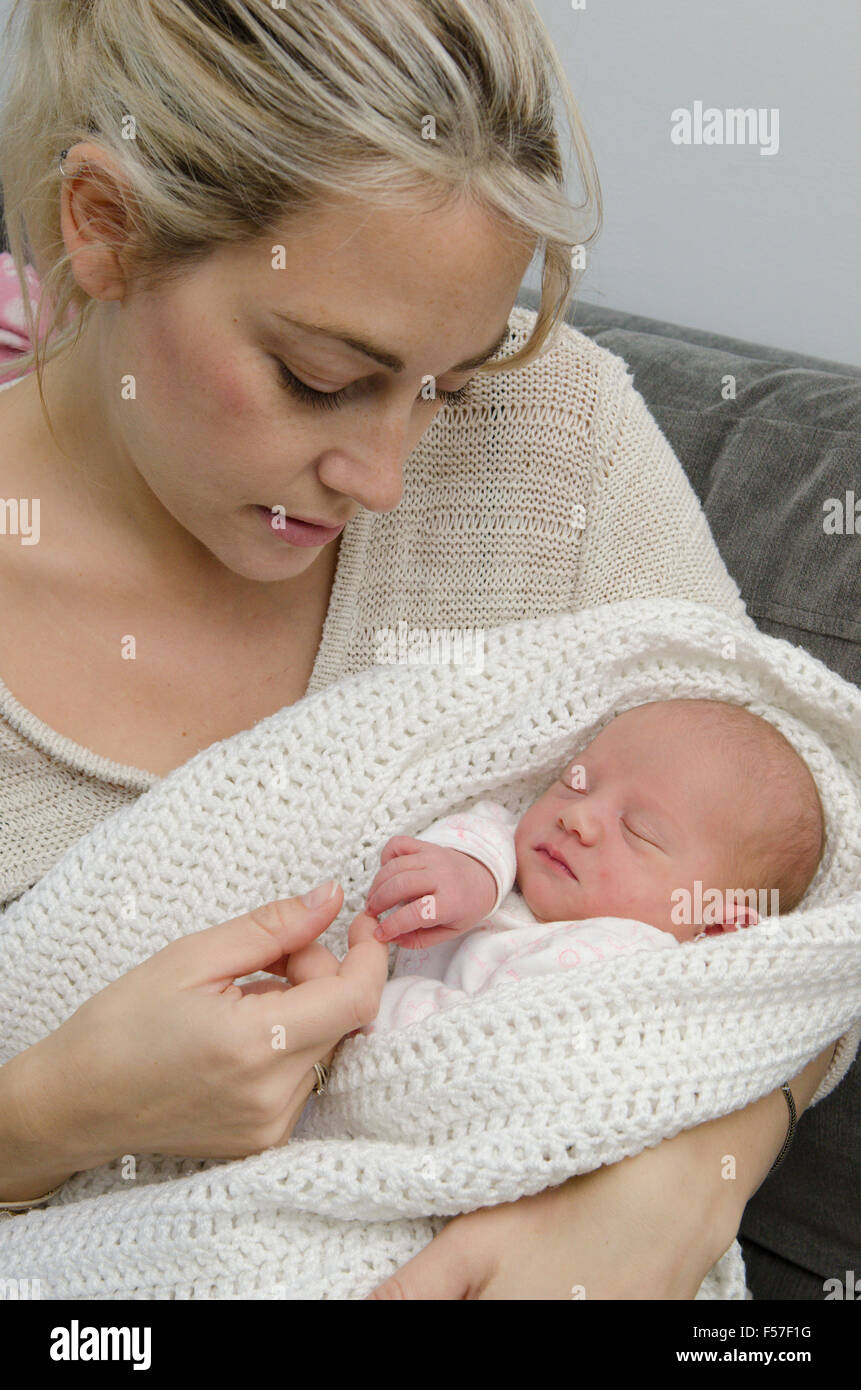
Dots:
pixel 762 465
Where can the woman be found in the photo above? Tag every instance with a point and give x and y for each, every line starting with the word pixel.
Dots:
pixel 284 244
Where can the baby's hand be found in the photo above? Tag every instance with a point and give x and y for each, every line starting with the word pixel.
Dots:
pixel 442 891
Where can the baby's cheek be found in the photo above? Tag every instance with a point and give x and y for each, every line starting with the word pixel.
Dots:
pixel 637 896
pixel 613 886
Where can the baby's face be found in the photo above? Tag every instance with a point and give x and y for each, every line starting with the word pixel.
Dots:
pixel 648 814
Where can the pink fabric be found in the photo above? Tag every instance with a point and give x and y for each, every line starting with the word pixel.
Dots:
pixel 501 949
pixel 14 338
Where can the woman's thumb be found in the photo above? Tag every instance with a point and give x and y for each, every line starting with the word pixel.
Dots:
pixel 441 1271
pixel 259 937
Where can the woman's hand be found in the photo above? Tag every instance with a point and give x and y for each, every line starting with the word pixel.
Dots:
pixel 174 1058
pixel 602 1235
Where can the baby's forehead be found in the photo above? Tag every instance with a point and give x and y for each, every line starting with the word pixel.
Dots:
pixel 673 737
pixel 695 718
pixel 646 723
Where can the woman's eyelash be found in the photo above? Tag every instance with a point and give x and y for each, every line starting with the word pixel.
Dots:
pixel 328 400
pixel 459 397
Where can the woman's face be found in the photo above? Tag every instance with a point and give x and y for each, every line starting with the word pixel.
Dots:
pixel 214 437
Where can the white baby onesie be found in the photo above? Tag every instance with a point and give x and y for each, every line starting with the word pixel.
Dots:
pixel 509 944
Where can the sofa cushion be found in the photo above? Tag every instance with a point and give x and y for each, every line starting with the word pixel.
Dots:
pixel 772 468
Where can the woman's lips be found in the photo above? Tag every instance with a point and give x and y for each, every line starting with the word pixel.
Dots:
pixel 549 857
pixel 295 532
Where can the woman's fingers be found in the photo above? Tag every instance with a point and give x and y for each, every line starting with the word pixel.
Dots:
pixel 362 928
pixel 366 964
pixel 261 987
pixel 444 1270
pixel 299 1100
pixel 253 941
pixel 314 961
pixel 311 962
pixel 327 1006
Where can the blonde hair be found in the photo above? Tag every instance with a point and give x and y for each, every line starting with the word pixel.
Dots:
pixel 244 113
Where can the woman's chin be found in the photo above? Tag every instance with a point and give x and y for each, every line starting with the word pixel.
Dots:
pixel 248 559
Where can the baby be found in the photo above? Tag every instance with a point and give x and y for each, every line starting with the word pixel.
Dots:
pixel 642 843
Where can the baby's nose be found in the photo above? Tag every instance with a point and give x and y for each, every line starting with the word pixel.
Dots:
pixel 579 820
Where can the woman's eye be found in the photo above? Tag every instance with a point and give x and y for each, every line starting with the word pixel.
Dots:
pixel 325 400
pixel 459 397
pixel 328 400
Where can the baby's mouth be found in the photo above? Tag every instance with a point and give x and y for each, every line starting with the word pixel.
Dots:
pixel 551 856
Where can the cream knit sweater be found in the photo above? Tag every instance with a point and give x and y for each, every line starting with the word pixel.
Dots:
pixel 552 491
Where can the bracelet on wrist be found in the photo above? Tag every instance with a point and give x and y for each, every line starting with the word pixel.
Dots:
pixel 13 1208
pixel 793 1118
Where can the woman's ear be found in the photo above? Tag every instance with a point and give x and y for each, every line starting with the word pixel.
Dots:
pixel 94 219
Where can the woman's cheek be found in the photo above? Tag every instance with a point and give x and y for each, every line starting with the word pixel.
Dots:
pixel 232 400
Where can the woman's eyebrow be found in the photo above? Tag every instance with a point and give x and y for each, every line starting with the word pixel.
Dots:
pixel 387 359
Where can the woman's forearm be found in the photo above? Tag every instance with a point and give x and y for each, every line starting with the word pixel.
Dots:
pixel 735 1153
pixel 40 1143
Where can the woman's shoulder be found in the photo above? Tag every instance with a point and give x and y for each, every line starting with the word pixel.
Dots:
pixel 572 374
pixel 555 418
pixel 566 347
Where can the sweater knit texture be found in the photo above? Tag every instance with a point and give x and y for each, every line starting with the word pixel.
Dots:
pixel 551 490
pixel 512 1091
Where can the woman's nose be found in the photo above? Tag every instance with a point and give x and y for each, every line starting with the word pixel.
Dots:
pixel 370 468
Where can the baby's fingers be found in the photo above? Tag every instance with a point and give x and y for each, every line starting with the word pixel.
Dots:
pixel 404 884
pixel 400 844
pixel 397 865
pixel 409 918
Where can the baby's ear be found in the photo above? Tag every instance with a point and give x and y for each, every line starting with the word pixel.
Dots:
pixel 735 916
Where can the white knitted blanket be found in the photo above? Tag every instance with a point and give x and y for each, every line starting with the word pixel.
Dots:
pixel 508 1093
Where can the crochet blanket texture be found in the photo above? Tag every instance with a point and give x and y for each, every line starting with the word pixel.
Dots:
pixel 501 1096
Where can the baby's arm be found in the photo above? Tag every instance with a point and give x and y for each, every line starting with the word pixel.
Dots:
pixel 449 878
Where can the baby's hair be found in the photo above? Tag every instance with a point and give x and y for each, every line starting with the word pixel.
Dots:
pixel 785 849
pixel 246 113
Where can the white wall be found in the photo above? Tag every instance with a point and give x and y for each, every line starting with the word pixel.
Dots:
pixel 719 237
pixel 716 236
